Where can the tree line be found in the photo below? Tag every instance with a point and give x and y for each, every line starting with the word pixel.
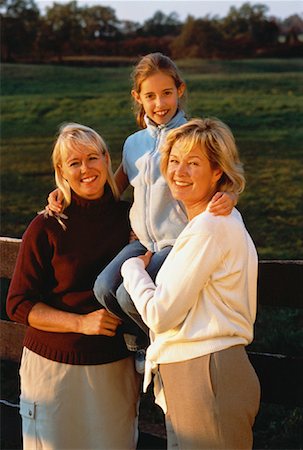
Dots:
pixel 72 30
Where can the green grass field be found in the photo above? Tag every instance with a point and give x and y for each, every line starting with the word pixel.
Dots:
pixel 261 100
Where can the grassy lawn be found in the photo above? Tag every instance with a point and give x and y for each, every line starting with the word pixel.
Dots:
pixel 261 100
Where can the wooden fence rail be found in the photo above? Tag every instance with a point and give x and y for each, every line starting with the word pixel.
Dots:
pixel 280 284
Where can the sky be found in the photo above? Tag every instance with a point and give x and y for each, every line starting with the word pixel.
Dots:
pixel 140 10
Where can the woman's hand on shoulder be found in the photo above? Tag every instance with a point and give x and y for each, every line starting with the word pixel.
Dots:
pixel 222 203
pixel 55 201
pixel 98 322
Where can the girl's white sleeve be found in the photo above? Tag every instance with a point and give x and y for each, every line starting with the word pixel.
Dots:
pixel 181 278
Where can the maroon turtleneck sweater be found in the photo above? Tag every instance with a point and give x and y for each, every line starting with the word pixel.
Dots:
pixel 59 268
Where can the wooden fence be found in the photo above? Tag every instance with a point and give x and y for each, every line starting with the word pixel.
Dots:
pixel 280 284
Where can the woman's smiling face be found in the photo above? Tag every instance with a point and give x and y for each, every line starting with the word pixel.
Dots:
pixel 191 178
pixel 85 170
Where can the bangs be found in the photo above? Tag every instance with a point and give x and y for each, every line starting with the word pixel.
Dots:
pixel 187 144
pixel 81 143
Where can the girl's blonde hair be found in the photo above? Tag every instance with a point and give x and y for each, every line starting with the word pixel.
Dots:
pixel 73 136
pixel 217 143
pixel 148 66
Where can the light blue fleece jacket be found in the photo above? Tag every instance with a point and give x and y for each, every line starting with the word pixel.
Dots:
pixel 156 218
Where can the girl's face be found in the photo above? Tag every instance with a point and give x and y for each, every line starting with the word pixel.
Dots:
pixel 86 172
pixel 191 178
pixel 159 97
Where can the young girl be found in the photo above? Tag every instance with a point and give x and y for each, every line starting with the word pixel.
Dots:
pixel 156 217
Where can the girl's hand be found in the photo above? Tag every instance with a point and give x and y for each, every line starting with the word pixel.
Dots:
pixel 146 258
pixel 99 322
pixel 132 236
pixel 55 200
pixel 222 203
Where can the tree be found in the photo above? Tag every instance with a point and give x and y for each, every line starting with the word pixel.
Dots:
pixel 100 22
pixel 292 28
pixel 129 28
pixel 161 25
pixel 250 23
pixel 61 29
pixel 198 38
pixel 19 25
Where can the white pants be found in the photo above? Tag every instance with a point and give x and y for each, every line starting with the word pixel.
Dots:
pixel 65 406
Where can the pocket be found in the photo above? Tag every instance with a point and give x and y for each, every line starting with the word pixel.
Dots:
pixel 29 433
pixel 27 410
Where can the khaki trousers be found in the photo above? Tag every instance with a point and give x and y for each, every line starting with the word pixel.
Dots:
pixel 212 400
pixel 65 406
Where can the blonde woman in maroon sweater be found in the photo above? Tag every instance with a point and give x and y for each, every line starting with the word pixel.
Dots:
pixel 79 388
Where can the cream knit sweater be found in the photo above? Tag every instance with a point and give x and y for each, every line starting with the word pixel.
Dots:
pixel 204 298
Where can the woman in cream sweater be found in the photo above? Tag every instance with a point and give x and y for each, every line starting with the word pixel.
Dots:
pixel 202 306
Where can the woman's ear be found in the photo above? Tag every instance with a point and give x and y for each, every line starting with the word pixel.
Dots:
pixel 60 170
pixel 217 174
pixel 136 96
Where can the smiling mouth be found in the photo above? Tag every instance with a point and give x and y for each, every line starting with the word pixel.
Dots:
pixel 182 183
pixel 161 113
pixel 88 179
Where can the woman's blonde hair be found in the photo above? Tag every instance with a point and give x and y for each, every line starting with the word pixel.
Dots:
pixel 74 136
pixel 147 66
pixel 217 143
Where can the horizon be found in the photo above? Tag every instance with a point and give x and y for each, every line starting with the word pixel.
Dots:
pixel 139 11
